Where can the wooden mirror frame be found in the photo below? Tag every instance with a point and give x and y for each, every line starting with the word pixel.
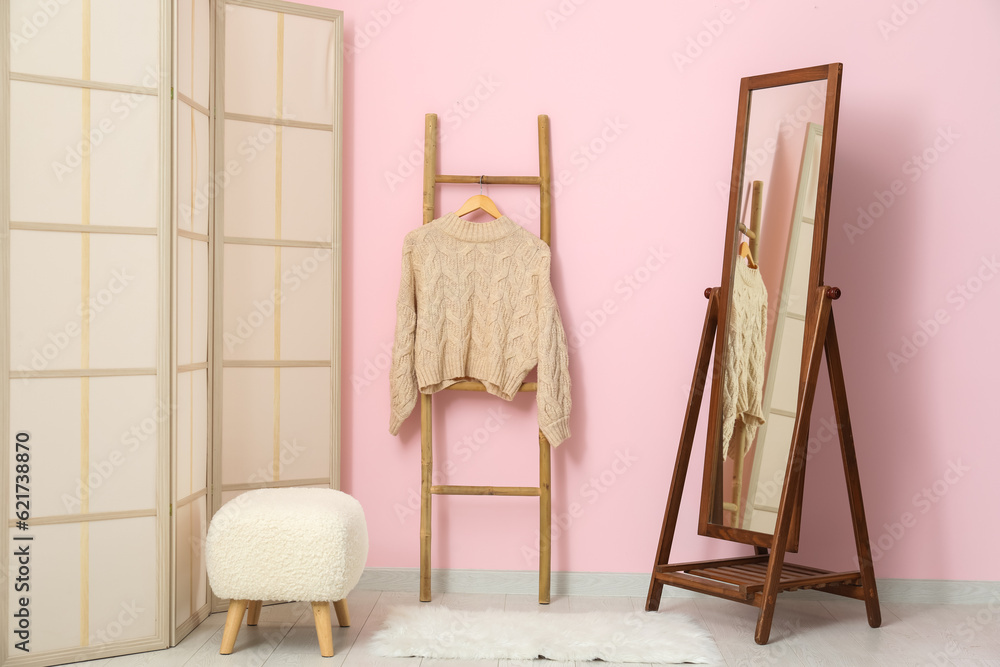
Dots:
pixel 831 74
pixel 757 579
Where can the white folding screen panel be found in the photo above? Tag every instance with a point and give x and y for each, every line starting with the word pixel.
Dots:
pixel 278 257
pixel 84 306
pixel 134 339
pixel 193 192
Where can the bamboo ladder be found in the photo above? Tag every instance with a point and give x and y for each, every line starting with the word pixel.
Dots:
pixel 427 489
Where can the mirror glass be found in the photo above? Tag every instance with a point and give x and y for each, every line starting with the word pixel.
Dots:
pixel 767 304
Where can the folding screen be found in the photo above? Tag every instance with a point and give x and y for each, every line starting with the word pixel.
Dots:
pixel 85 303
pixel 169 297
pixel 277 256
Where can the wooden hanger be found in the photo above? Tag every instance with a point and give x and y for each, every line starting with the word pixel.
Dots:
pixel 479 202
pixel 745 253
pixel 747 249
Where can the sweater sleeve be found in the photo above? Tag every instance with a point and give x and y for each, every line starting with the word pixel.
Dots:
pixel 403 376
pixel 554 401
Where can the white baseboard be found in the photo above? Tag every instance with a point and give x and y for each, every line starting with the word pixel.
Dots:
pixel 929 591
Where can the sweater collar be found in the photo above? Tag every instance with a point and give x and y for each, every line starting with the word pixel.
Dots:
pixel 476 232
pixel 749 276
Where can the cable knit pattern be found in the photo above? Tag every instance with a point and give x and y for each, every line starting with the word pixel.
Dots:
pixel 743 387
pixel 475 302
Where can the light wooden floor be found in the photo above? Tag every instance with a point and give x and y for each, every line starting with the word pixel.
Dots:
pixel 805 632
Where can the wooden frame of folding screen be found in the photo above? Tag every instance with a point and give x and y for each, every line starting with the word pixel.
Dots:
pixel 190 499
pixel 97 234
pixel 427 488
pixel 223 241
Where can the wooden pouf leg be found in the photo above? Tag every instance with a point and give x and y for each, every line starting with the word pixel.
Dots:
pixel 253 612
pixel 324 631
pixel 234 618
pixel 344 618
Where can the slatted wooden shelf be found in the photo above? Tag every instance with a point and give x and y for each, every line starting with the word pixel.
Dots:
pixel 742 579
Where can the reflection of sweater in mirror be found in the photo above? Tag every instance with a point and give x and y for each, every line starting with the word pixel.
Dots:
pixel 743 383
pixel 476 302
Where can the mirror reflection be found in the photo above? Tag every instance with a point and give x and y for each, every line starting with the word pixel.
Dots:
pixel 771 255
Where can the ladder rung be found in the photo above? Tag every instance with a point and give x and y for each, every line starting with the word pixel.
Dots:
pixel 489 180
pixel 476 385
pixel 485 490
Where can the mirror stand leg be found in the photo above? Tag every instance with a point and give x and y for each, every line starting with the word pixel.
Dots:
pixel 771 586
pixel 860 523
pixel 684 448
pixel 796 469
pixel 654 595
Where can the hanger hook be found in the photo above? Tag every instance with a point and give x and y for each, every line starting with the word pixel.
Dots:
pixel 481 184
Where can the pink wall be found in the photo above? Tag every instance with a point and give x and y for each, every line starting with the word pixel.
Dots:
pixel 644 140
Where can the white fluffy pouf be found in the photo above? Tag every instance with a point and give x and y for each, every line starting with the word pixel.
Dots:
pixel 289 544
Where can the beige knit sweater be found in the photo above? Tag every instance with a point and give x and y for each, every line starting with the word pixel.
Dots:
pixel 743 384
pixel 475 302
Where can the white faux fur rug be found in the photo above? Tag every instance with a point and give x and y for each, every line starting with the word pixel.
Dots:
pixel 439 632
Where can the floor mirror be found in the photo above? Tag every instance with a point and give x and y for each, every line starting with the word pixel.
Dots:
pixel 770 323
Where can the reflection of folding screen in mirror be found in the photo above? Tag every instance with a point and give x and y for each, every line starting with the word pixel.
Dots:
pixel 764 493
pixel 787 333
